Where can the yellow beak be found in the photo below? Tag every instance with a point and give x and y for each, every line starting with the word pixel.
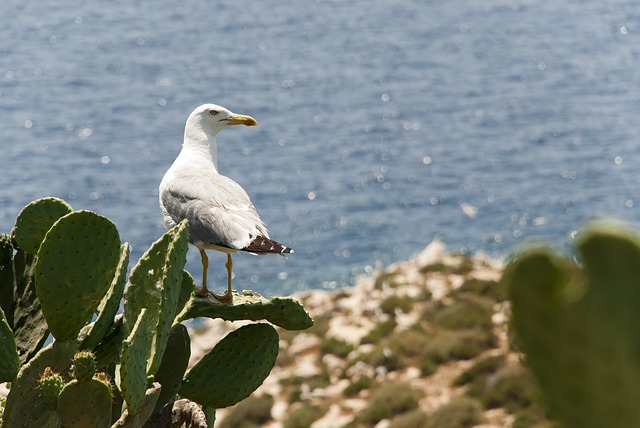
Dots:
pixel 240 119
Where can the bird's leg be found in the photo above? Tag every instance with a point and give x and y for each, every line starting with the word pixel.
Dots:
pixel 229 266
pixel 204 291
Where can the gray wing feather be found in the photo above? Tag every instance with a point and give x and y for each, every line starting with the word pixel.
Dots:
pixel 219 211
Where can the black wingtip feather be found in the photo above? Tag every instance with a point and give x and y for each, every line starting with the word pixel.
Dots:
pixel 262 245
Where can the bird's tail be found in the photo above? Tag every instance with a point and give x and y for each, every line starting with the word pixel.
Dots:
pixel 263 245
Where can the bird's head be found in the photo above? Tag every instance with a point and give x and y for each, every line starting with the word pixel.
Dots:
pixel 213 118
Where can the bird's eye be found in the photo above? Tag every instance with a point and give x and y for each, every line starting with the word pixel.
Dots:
pixel 213 112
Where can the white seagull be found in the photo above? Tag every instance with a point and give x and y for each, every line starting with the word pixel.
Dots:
pixel 220 214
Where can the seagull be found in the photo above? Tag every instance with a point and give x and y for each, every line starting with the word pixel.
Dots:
pixel 219 212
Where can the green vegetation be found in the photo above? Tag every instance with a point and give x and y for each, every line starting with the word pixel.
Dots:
pixel 494 290
pixel 303 416
pixel 480 369
pixel 65 272
pixel 253 412
pixel 381 331
pixel 460 412
pixel 512 387
pixel 395 303
pixel 398 350
pixel 389 399
pixel 466 313
pixel 448 345
pixel 332 345
pixel 362 383
pixel 411 419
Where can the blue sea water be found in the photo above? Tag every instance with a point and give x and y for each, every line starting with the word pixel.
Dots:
pixel 382 123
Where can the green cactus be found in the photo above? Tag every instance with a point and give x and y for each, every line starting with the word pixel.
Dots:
pixel 174 363
pixel 6 274
pixel 29 325
pixel 80 270
pixel 186 297
pixel 578 326
pixel 49 387
pixel 175 259
pixel 108 307
pixel 84 366
pixel 9 359
pixel 144 288
pixel 155 284
pixel 138 420
pixel 131 377
pixel 281 311
pixel 85 404
pixel 6 250
pixel 25 407
pixel 35 220
pixel 234 368
pixel 76 264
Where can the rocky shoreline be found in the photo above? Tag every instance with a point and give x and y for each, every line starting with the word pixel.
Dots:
pixel 422 342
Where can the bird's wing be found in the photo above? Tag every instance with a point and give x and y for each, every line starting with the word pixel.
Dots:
pixel 218 209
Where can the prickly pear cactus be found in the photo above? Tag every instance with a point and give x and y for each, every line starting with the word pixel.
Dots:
pixel 108 307
pixel 28 323
pixel 139 419
pixel 6 274
pixel 76 264
pixel 234 368
pixel 284 312
pixel 25 407
pixel 154 284
pixel 6 250
pixel 132 373
pixel 35 220
pixel 9 359
pixel 578 326
pixel 174 363
pixel 65 272
pixel 85 404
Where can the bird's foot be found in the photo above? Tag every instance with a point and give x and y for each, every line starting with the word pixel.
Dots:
pixel 205 292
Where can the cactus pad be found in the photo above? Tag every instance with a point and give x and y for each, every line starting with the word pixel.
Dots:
pixel 175 259
pixel 132 374
pixel 578 326
pixel 35 220
pixel 74 270
pixel 110 303
pixel 234 368
pixel 29 326
pixel 284 312
pixel 85 404
pixel 25 407
pixel 9 359
pixel 174 363
pixel 138 420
